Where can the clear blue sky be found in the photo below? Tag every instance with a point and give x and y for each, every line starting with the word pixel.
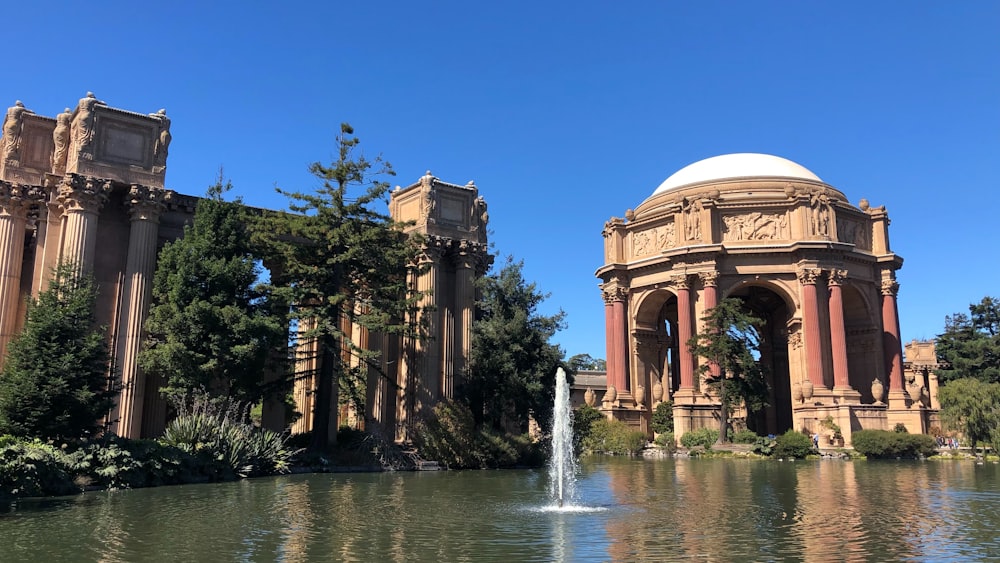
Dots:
pixel 565 113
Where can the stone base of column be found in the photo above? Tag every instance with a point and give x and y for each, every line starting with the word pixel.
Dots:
pixel 634 418
pixel 912 418
pixel 899 400
pixel 846 396
pixel 688 417
pixel 686 396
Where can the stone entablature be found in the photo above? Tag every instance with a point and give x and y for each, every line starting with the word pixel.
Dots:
pixel 442 209
pixel 92 140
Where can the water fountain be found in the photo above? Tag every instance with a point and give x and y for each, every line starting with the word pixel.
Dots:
pixel 562 461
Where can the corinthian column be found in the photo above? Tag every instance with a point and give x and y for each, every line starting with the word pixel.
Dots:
pixel 838 332
pixel 81 198
pixel 430 366
pixel 615 334
pixel 891 346
pixel 814 354
pixel 15 200
pixel 144 207
pixel 710 281
pixel 465 302
pixel 685 329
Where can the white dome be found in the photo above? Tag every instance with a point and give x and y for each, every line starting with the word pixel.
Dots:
pixel 738 165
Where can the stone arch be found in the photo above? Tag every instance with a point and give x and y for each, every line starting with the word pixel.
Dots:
pixel 655 352
pixel 863 340
pixel 772 303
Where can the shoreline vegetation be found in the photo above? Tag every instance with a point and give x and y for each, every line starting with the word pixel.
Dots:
pixel 31 468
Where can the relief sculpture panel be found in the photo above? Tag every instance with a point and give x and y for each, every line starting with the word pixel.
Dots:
pixel 854 232
pixel 654 240
pixel 755 226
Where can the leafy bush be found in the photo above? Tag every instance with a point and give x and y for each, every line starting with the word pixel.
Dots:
pixel 901 428
pixel 663 417
pixel 614 437
pixel 583 418
pixel 666 441
pixel 33 468
pixel 793 444
pixel 701 437
pixel 227 447
pixel 884 444
pixel 745 437
pixel 764 445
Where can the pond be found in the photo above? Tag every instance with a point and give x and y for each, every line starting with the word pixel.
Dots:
pixel 625 510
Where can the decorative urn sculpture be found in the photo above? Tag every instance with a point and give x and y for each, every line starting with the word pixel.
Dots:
pixel 807 389
pixel 590 397
pixel 878 391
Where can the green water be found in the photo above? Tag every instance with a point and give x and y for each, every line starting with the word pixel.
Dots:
pixel 627 510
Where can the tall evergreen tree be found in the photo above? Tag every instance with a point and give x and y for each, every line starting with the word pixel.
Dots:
pixel 54 383
pixel 212 327
pixel 730 342
pixel 513 364
pixel 969 347
pixel 972 406
pixel 345 263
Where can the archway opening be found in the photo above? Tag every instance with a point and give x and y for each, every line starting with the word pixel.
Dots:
pixel 774 313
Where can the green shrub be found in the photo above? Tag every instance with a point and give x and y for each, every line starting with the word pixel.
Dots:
pixel 901 428
pixel 884 444
pixel 793 444
pixel 226 446
pixel 614 437
pixel 663 417
pixel 745 437
pixel 701 437
pixel 764 445
pixel 583 418
pixel 32 468
pixel 666 441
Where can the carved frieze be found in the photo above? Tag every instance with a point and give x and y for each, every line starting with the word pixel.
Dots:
pixel 654 240
pixel 854 232
pixel 755 225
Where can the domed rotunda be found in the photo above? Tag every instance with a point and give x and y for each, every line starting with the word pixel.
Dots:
pixel 816 269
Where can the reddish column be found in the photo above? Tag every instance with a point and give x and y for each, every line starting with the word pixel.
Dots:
pixel 810 304
pixel 609 339
pixel 618 316
pixel 614 334
pixel 685 328
pixel 891 345
pixel 838 336
pixel 710 281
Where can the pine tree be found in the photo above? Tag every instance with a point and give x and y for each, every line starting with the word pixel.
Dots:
pixel 730 342
pixel 54 383
pixel 212 327
pixel 344 262
pixel 513 365
pixel 969 347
